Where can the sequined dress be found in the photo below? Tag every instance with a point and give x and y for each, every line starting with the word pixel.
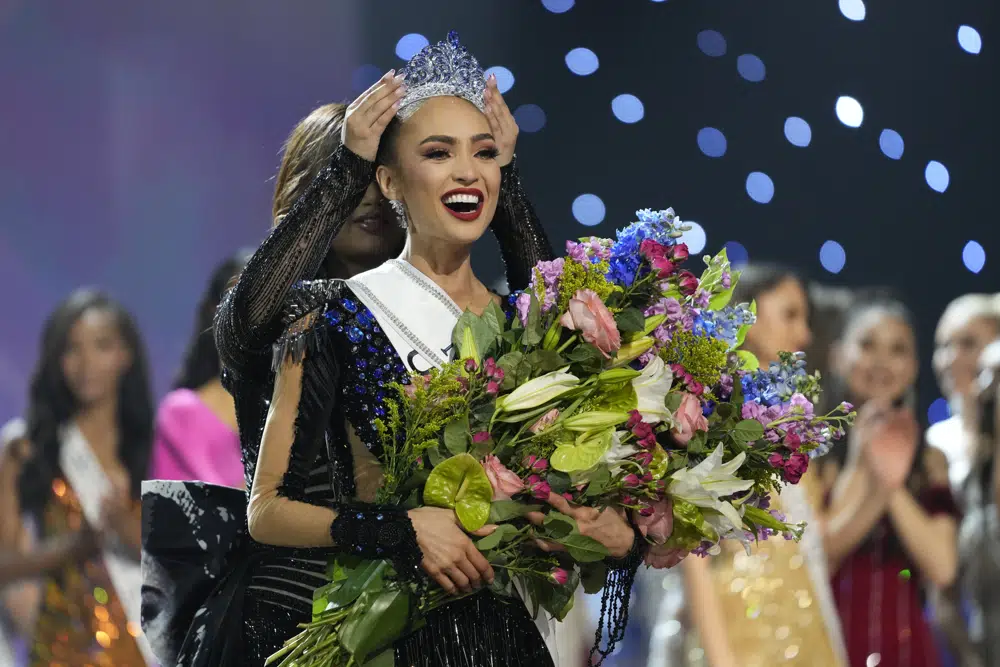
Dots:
pixel 262 592
pixel 81 621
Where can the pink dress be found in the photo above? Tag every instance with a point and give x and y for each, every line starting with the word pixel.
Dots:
pixel 192 444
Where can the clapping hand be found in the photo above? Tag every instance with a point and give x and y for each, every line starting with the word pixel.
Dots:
pixel 889 443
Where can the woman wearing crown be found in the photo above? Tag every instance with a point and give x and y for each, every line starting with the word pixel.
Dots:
pixel 434 139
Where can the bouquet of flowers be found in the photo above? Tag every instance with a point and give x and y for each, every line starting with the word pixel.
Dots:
pixel 617 381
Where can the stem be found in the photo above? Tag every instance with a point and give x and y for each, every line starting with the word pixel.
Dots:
pixel 569 342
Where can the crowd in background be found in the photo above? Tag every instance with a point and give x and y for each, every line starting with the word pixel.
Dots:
pixel 897 568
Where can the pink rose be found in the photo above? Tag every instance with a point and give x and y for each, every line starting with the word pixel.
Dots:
pixel 505 483
pixel 644 459
pixel 545 421
pixel 678 253
pixel 795 467
pixel 663 557
pixel 535 463
pixel 687 283
pixel 481 437
pixel 689 419
pixel 493 387
pixel 538 487
pixel 658 526
pixel 631 481
pixel 559 576
pixel 588 314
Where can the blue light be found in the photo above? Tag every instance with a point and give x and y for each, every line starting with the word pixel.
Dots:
pixel 738 255
pixel 969 40
pixel 409 45
pixel 694 238
pixel 849 111
pixel 505 78
pixel 627 108
pixel 558 6
pixel 853 9
pixel 832 256
pixel 712 43
pixel 750 67
pixel 711 142
pixel 891 144
pixel 760 187
pixel 938 411
pixel 363 77
pixel 797 131
pixel 529 117
pixel 581 61
pixel 974 256
pixel 936 175
pixel 588 210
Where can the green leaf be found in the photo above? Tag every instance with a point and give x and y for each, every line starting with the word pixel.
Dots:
pixel 516 369
pixel 380 620
pixel 367 576
pixel 587 356
pixel 598 482
pixel 558 525
pixel 435 456
pixel 748 430
pixel 503 533
pixel 673 401
pixel 545 361
pixel 559 482
pixel 630 320
pixel 748 361
pixel 560 599
pixel 593 577
pixel 483 413
pixel 696 445
pixel 474 335
pixel 616 398
pixel 505 510
pixel 741 335
pixel 386 658
pixel 533 332
pixel 724 411
pixel 456 435
pixel 461 484
pixel 722 299
pixel 583 453
pixel 584 549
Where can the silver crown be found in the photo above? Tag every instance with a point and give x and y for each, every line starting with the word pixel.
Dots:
pixel 443 69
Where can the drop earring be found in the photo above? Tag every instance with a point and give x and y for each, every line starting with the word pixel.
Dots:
pixel 399 208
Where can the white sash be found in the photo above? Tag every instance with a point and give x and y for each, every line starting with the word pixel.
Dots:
pixel 88 480
pixel 418 318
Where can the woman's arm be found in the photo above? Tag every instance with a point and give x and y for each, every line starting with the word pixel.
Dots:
pixel 706 612
pixel 518 230
pixel 857 504
pixel 51 555
pixel 929 539
pixel 248 320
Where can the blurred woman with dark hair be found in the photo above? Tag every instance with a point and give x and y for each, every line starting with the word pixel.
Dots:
pixel 196 434
pixel 89 428
pixel 774 605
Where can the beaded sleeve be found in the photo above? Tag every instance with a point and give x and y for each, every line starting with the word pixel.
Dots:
pixel 248 320
pixel 363 529
pixel 518 231
pixel 615 599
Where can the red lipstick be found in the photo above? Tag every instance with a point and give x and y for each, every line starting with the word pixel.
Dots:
pixel 463 207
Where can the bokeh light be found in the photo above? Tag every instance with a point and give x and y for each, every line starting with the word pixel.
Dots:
pixel 891 144
pixel 797 131
pixel 750 67
pixel 936 175
pixel 969 40
pixel 409 45
pixel 974 256
pixel 529 117
pixel 712 43
pixel 938 411
pixel 364 76
pixel 711 142
pixel 853 9
pixel 694 237
pixel 760 187
pixel 738 255
pixel 628 108
pixel 582 61
pixel 832 256
pixel 849 111
pixel 505 78
pixel 588 210
pixel 558 6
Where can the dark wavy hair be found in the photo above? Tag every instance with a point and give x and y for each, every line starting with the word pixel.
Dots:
pixel 51 404
pixel 758 278
pixel 201 360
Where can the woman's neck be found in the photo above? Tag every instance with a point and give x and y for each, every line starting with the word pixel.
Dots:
pixel 98 423
pixel 219 401
pixel 450 267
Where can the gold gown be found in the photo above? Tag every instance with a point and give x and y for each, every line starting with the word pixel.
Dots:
pixel 777 602
pixel 81 622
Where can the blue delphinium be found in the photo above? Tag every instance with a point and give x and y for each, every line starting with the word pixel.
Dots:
pixel 723 324
pixel 660 226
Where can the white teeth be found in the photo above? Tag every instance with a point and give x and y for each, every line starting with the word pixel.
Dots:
pixel 461 199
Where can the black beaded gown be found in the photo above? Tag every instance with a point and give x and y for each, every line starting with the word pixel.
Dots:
pixel 258 594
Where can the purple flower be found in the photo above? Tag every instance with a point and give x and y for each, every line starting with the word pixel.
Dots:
pixel 523 304
pixel 800 402
pixel 727 280
pixel 726 384
pixel 577 251
pixel 702 298
pixel 846 407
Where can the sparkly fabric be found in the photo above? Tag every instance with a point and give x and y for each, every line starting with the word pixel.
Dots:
pixel 376 532
pixel 81 621
pixel 880 596
pixel 445 68
pixel 616 598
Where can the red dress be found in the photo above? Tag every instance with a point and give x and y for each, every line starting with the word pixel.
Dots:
pixel 878 593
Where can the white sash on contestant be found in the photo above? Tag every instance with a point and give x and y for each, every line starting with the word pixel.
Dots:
pixel 419 317
pixel 88 480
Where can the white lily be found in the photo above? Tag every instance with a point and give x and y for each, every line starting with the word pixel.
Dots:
pixel 707 483
pixel 618 453
pixel 538 391
pixel 651 388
